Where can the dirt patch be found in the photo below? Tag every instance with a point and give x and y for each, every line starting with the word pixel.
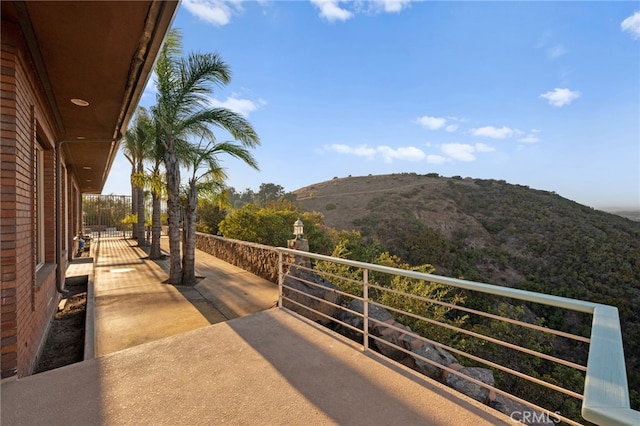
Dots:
pixel 65 341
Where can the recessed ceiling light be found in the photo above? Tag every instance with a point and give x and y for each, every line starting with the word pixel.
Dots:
pixel 86 168
pixel 80 138
pixel 88 180
pixel 79 102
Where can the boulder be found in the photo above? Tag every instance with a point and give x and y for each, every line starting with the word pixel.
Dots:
pixel 393 336
pixel 323 290
pixel 356 321
pixel 521 413
pixel 471 389
pixel 436 354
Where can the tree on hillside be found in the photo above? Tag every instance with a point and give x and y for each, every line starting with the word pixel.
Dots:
pixel 273 226
pixel 269 192
pixel 182 111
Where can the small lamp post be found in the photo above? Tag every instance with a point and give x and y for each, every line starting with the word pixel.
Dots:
pixel 299 243
pixel 298 228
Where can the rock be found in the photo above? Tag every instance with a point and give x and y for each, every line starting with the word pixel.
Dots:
pixel 521 413
pixel 395 337
pixel 325 291
pixel 470 389
pixel 356 321
pixel 436 354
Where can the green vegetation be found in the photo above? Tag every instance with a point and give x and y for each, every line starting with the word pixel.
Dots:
pixel 330 206
pixel 491 231
pixel 481 230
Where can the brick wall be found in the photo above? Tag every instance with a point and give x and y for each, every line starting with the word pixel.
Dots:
pixel 28 297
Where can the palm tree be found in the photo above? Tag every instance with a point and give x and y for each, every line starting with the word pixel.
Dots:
pixel 138 144
pixel 157 187
pixel 210 182
pixel 182 112
pixel 153 181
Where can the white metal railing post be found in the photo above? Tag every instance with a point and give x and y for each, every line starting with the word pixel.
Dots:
pixel 365 309
pixel 280 279
pixel 605 399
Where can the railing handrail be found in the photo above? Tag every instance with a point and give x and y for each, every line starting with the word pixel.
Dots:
pixel 529 296
pixel 606 394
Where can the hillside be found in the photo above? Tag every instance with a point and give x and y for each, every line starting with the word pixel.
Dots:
pixel 495 232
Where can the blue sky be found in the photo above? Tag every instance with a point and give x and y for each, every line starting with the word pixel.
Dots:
pixel 544 94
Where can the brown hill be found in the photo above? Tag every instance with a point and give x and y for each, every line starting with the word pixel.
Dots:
pixel 495 232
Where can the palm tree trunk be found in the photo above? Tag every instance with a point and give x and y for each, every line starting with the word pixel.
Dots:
pixel 189 237
pixel 142 241
pixel 156 228
pixel 134 203
pixel 173 205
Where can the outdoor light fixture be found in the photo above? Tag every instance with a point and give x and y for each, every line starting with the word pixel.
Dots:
pixel 79 102
pixel 297 229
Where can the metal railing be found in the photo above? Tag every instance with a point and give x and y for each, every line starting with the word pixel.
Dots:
pixel 605 397
pixel 102 215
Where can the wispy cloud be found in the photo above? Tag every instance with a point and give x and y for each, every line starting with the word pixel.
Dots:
pixel 482 147
pixel 464 151
pixel 243 107
pixel 216 12
pixel 386 153
pixel 560 97
pixel 437 159
pixel 553 49
pixel 556 51
pixel 493 132
pixel 632 25
pixel 531 137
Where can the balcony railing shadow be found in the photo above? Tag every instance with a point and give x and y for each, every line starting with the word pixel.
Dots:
pixel 603 398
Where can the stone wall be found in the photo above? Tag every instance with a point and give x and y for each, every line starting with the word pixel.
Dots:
pixel 258 259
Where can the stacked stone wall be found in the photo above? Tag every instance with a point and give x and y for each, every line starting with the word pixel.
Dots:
pixel 258 259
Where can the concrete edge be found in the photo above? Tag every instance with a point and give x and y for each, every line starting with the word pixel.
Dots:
pixel 90 308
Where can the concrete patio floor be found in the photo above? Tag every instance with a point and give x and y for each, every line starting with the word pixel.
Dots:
pixel 158 361
pixel 269 368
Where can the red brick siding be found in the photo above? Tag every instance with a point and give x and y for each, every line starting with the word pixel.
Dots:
pixel 28 300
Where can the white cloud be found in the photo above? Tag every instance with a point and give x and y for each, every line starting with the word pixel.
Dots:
pixel 493 132
pixel 463 151
pixel 560 97
pixel 632 25
pixel 217 12
pixel 556 51
pixel 331 10
pixel 436 123
pixel 391 6
pixel 406 153
pixel 529 139
pixel 360 151
pixel 432 123
pixel 388 154
pixel 436 159
pixel 481 147
pixel 459 151
pixel 243 107
pixel 342 10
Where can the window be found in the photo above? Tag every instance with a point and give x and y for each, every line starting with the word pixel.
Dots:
pixel 39 208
